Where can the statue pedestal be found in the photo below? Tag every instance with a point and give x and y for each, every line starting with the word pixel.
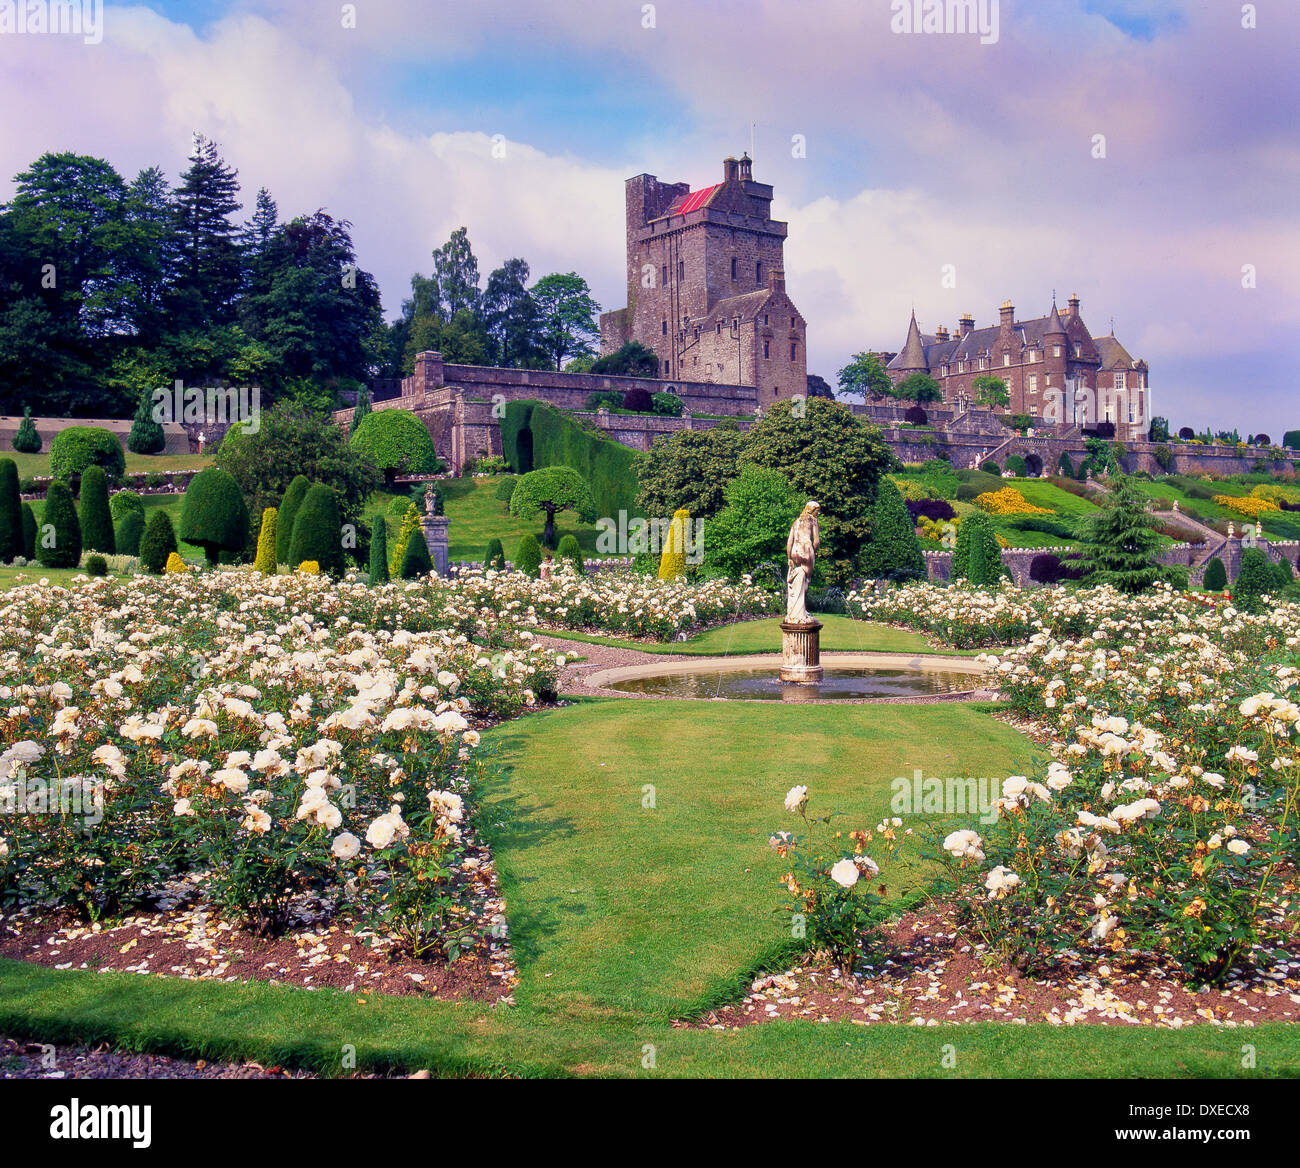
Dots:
pixel 801 657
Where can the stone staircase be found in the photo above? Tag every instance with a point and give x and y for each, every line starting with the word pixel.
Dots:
pixel 1214 545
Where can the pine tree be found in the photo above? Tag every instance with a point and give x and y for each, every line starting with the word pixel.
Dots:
pixel 26 440
pixel 208 272
pixel 146 435
pixel 318 531
pixel 288 514
pixel 59 541
pixel 11 512
pixel 1216 576
pixel 265 559
pixel 29 532
pixel 415 559
pixel 158 544
pixel 891 551
pixel 96 518
pixel 362 408
pixel 1120 542
pixel 1255 580
pixel 379 552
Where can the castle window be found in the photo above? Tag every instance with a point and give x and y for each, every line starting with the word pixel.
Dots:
pixel 1033 383
pixel 765 318
pixel 718 328
pixel 1033 409
pixel 1119 381
pixel 663 276
pixel 767 349
pixel 1056 350
pixel 665 328
pixel 681 269
pixel 794 352
pixel 758 272
pixel 733 267
pixel 794 322
pixel 1078 350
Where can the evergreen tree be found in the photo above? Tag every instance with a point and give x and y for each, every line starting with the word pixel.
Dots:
pixel 288 515
pixel 29 532
pixel 362 408
pixel 255 240
pixel 12 544
pixel 1255 580
pixel 379 552
pixel 495 557
pixel 415 560
pixel 96 518
pixel 208 262
pixel 891 551
pixel 1216 576
pixel 528 559
pixel 26 440
pixel 158 544
pixel 318 531
pixel 146 435
pixel 214 516
pixel 1120 542
pixel 1283 573
pixel 977 557
pixel 570 550
pixel 128 533
pixel 59 540
pixel 672 561
pixel 264 562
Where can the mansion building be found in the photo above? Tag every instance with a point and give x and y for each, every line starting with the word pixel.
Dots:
pixel 706 285
pixel 1053 367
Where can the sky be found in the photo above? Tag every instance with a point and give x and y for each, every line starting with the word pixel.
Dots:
pixel 1140 153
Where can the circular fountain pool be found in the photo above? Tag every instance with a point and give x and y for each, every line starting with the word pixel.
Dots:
pixel 848 677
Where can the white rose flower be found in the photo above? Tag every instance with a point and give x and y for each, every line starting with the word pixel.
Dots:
pixel 845 873
pixel 346 846
pixel 795 798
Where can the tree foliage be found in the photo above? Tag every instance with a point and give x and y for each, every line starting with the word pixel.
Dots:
pixel 318 531
pixel 752 528
pixel 58 543
pixel 96 518
pixel 214 516
pixel 891 551
pixel 396 442
pixel 158 544
pixel 549 491
pixel 1120 541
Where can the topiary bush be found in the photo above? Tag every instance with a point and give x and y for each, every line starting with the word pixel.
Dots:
pixel 891 551
pixel 1017 466
pixel 672 563
pixel 977 557
pixel 415 559
pixel 379 553
pixel 408 525
pixel 96 565
pixel 988 466
pixel 29 532
pixel 528 559
pixel 287 514
pixel 1254 581
pixel 569 550
pixel 59 544
pixel 26 440
pixel 265 561
pixel 158 544
pixel 146 435
pixel 1283 573
pixel 638 400
pixel 396 442
pixel 96 518
pixel 1066 466
pixel 318 529
pixel 1216 576
pixel 128 533
pixel 122 502
pixel 214 516
pixel 495 557
pixel 11 512
pixel 79 447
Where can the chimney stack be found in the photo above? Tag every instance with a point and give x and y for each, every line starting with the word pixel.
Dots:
pixel 1008 314
pixel 966 325
pixel 730 170
pixel 942 334
pixel 776 280
pixel 1074 305
pixel 746 168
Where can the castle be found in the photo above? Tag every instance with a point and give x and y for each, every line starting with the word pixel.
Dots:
pixel 1054 369
pixel 706 285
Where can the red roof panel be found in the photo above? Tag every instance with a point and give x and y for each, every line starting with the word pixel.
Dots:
pixel 694 201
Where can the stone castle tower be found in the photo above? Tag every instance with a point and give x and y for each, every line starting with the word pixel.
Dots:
pixel 706 285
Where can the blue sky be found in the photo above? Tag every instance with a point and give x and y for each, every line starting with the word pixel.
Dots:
pixel 924 152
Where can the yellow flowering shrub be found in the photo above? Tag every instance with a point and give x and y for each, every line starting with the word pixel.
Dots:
pixel 1279 493
pixel 1009 501
pixel 309 568
pixel 1246 505
pixel 175 564
pixel 672 563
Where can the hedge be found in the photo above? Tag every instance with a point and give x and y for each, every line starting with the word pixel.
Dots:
pixel 60 547
pixel 535 434
pixel 318 531
pixel 158 544
pixel 288 512
pixel 78 447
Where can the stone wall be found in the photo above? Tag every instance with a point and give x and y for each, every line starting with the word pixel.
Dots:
pixel 177 442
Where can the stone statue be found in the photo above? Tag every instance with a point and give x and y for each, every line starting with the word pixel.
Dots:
pixel 801 554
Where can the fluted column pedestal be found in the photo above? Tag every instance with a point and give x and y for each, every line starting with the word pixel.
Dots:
pixel 801 654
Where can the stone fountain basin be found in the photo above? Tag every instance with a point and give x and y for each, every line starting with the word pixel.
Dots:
pixel 879 677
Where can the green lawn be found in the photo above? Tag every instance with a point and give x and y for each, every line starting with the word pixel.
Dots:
pixel 1042 493
pixel 39 464
pixel 840 634
pixel 624 917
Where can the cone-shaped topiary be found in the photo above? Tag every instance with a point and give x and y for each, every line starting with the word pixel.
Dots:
pixel 26 439
pixel 11 511
pixel 415 560
pixel 318 531
pixel 288 513
pixel 96 518
pixel 379 552
pixel 977 557
pixel 672 563
pixel 1216 576
pixel 215 516
pixel 496 555
pixel 264 562
pixel 128 534
pixel 1254 581
pixel 528 559
pixel 29 531
pixel 158 543
pixel 406 530
pixel 891 552
pixel 58 544
pixel 569 550
pixel 146 435
pixel 124 501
